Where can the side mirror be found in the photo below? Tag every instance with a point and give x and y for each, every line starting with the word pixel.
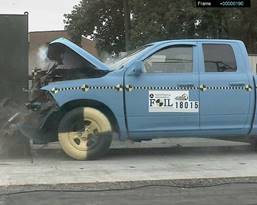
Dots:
pixel 137 68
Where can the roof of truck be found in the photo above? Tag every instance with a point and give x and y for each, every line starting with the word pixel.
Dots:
pixel 197 40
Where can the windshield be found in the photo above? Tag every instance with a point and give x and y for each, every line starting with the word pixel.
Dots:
pixel 126 59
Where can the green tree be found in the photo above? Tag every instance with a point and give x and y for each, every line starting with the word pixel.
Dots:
pixel 102 20
pixel 247 28
pixel 151 20
pixel 158 20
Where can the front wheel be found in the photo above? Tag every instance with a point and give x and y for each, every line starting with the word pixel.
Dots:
pixel 85 133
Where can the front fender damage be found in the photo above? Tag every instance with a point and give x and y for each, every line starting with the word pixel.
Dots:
pixel 65 62
pixel 41 121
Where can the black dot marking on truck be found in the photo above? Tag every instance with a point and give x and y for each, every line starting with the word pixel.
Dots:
pixel 130 88
pixel 203 88
pixel 69 88
pixel 119 87
pixel 84 88
pixel 248 88
pixel 54 90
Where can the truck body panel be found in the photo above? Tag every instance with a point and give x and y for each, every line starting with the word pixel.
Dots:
pixel 107 90
pixel 141 122
pixel 227 107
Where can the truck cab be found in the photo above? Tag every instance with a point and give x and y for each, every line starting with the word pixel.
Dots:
pixel 213 75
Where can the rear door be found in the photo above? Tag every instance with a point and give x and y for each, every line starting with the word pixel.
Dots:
pixel 225 90
pixel 164 99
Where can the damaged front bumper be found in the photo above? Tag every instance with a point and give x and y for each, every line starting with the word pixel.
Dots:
pixel 41 121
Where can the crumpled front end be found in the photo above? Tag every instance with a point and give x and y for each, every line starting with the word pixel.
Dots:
pixel 41 121
pixel 66 62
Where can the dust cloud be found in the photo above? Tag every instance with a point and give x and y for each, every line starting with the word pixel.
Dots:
pixel 12 142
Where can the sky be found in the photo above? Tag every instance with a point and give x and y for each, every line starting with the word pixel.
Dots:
pixel 44 15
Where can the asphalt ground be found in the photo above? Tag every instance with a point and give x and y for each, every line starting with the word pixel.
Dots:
pixel 194 192
pixel 166 171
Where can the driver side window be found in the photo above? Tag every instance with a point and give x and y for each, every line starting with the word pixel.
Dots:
pixel 174 59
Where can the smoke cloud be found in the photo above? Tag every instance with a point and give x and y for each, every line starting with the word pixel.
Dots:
pixel 42 59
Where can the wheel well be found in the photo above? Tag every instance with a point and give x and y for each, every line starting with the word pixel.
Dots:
pixel 94 104
pixel 51 126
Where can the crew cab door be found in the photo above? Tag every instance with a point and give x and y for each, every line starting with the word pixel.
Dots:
pixel 163 100
pixel 226 90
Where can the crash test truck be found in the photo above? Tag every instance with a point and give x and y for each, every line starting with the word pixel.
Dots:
pixel 173 88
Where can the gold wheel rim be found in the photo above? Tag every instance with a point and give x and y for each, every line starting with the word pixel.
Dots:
pixel 85 138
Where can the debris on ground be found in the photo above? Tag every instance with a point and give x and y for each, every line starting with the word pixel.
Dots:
pixel 12 142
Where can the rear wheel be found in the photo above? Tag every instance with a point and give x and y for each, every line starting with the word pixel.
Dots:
pixel 85 133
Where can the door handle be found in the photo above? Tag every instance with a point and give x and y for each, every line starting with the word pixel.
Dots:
pixel 237 84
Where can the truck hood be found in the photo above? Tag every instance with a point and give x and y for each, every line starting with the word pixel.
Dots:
pixel 59 43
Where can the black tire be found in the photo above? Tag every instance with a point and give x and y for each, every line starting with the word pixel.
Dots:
pixel 85 133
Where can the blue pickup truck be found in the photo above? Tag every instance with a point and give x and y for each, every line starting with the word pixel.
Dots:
pixel 173 88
